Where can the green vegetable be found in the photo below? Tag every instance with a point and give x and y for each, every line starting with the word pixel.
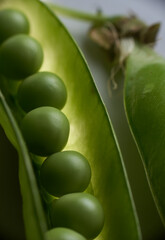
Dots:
pixel 63 234
pixel 65 172
pixel 144 102
pixel 79 211
pixel 32 210
pixel 20 56
pixel 12 22
pixel 42 89
pixel 87 116
pixel 45 130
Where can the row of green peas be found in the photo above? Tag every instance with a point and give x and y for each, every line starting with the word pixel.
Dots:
pixel 65 175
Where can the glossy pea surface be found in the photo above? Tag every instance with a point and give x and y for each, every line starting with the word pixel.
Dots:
pixel 42 89
pixel 65 172
pixel 63 234
pixel 81 212
pixel 46 130
pixel 12 22
pixel 20 56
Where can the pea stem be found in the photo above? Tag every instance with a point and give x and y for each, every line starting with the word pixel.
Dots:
pixel 97 18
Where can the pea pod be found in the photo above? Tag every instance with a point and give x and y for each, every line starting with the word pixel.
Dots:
pixel 144 102
pixel 90 131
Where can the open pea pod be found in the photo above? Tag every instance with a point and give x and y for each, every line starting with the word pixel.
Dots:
pixel 90 131
pixel 145 108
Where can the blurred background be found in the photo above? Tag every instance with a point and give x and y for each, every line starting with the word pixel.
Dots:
pixel 150 11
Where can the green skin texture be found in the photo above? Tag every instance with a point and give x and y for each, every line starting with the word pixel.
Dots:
pixel 13 63
pixel 65 172
pixel 144 102
pixel 12 22
pixel 81 212
pixel 42 89
pixel 46 130
pixel 63 234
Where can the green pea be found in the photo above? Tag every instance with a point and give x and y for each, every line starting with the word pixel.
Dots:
pixel 81 212
pixel 20 56
pixel 65 172
pixel 46 130
pixel 12 22
pixel 63 234
pixel 42 89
